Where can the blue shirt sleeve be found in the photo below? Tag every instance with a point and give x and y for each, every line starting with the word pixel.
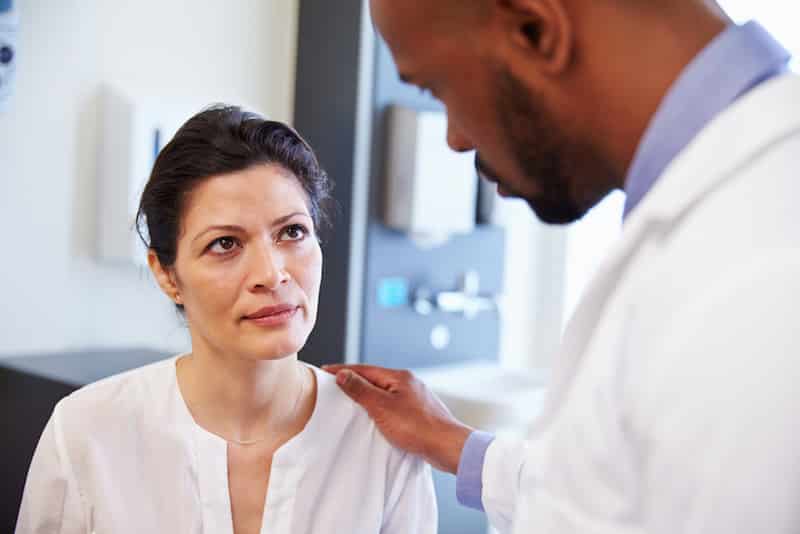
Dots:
pixel 469 479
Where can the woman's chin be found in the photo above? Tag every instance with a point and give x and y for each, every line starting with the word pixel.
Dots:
pixel 270 351
pixel 271 346
pixel 271 354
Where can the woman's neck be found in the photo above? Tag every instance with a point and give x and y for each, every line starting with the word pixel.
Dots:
pixel 240 399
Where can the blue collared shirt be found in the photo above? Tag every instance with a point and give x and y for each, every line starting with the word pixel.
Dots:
pixel 736 61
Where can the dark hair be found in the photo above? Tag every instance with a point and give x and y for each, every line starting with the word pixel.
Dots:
pixel 220 140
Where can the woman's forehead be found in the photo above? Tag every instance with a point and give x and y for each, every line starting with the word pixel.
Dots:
pixel 259 192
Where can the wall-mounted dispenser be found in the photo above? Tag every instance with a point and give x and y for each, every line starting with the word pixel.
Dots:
pixel 9 28
pixel 431 190
pixel 133 131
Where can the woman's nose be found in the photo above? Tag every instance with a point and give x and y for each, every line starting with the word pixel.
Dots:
pixel 267 269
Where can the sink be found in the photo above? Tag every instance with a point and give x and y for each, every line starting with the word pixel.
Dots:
pixel 487 396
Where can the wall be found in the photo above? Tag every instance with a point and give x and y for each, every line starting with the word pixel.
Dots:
pixel 532 303
pixel 56 295
pixel 400 336
pixel 332 104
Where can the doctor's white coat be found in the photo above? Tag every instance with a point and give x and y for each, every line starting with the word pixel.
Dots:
pixel 675 402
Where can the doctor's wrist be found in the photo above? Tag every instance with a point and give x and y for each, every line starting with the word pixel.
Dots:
pixel 446 445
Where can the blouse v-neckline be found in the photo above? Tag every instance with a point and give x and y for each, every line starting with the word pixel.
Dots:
pixel 289 462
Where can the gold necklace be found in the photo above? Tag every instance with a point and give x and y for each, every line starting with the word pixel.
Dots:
pixel 247 442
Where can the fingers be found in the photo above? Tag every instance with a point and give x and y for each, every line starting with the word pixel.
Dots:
pixel 379 376
pixel 334 368
pixel 359 389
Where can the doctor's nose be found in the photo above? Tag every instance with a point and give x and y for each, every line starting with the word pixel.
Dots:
pixel 456 140
pixel 267 270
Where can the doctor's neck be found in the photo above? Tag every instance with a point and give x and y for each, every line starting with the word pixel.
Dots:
pixel 632 80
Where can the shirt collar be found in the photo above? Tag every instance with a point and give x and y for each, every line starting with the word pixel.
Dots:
pixel 736 61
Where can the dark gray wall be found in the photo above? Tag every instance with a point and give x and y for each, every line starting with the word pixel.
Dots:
pixel 325 114
pixel 400 337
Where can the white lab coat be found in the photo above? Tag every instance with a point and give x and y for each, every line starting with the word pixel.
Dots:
pixel 124 456
pixel 675 402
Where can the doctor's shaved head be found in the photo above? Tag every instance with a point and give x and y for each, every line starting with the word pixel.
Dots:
pixel 554 95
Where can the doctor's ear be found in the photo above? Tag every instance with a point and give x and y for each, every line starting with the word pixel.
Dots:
pixel 165 277
pixel 532 30
pixel 540 29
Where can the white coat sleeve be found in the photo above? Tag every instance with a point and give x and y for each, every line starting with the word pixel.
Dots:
pixel 502 479
pixel 50 501
pixel 411 500
pixel 722 452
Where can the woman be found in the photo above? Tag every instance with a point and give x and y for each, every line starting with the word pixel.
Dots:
pixel 236 436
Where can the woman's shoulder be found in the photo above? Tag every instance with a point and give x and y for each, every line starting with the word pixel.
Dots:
pixel 333 403
pixel 118 394
pixel 353 439
pixel 338 416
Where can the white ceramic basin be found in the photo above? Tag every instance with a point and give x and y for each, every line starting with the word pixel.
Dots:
pixel 487 396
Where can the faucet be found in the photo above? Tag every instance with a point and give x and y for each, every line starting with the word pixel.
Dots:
pixel 465 300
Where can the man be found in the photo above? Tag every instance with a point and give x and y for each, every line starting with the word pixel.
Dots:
pixel 671 406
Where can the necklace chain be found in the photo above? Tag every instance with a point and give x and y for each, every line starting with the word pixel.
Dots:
pixel 247 442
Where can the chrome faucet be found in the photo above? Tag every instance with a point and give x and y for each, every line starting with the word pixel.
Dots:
pixel 466 300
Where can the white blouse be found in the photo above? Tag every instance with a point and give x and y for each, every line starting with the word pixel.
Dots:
pixel 124 455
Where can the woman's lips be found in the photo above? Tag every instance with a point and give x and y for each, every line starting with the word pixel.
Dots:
pixel 273 316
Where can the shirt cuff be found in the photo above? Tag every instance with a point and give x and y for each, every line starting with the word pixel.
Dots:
pixel 469 479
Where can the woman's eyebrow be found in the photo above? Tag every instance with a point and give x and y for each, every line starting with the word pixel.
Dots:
pixel 281 220
pixel 224 227
pixel 238 229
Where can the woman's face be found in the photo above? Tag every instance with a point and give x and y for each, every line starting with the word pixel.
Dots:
pixel 248 264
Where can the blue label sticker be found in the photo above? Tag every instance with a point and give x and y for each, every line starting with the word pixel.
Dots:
pixel 392 292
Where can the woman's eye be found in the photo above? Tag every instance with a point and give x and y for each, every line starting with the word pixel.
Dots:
pixel 223 245
pixel 294 232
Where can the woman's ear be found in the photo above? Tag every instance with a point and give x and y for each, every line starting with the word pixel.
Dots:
pixel 165 277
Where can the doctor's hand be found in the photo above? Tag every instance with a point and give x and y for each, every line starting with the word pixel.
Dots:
pixel 408 414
